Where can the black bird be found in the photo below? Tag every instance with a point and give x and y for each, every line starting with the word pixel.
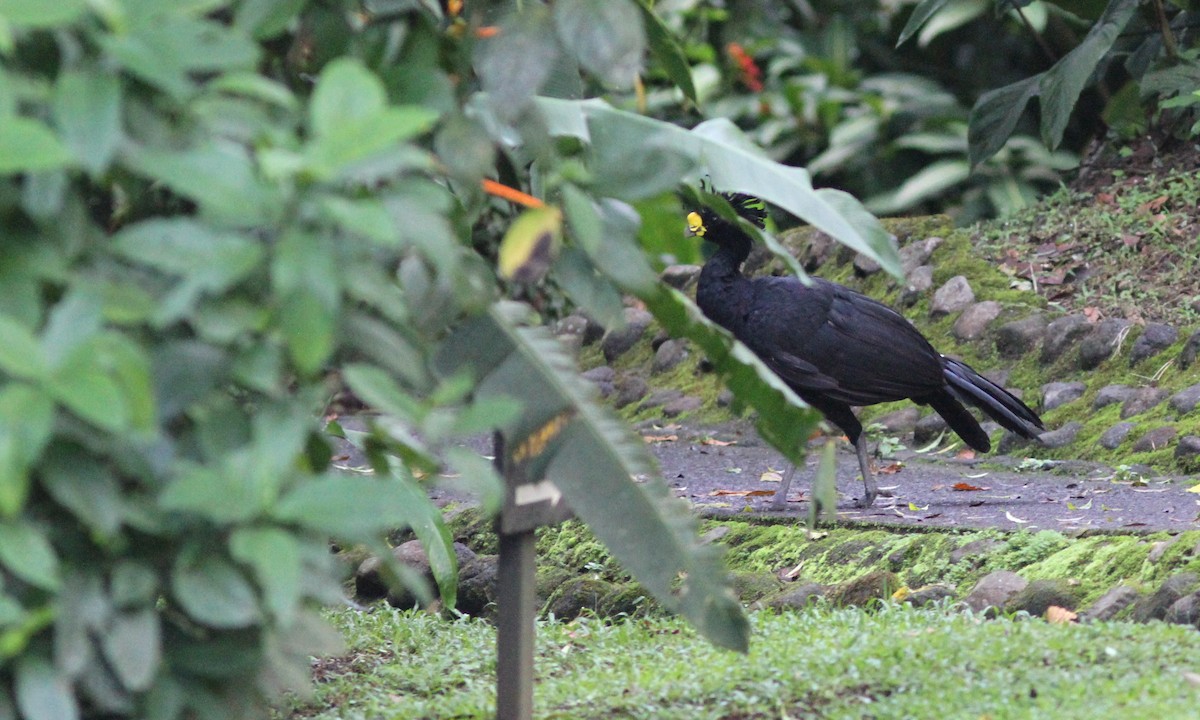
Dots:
pixel 837 348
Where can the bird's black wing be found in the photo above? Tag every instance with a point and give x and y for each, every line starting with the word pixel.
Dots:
pixel 841 344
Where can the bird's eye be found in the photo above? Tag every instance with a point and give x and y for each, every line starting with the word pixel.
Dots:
pixel 695 224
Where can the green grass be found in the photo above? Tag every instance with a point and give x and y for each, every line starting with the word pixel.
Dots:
pixel 897 662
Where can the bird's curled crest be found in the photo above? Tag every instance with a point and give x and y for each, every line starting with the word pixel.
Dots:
pixel 749 207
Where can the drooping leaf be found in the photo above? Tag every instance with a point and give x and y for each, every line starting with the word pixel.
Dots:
pixel 42 693
pixel 822 505
pixel 530 244
pixel 36 14
pixel 427 523
pixel 605 36
pixel 665 48
pixel 26 552
pixel 514 65
pixel 924 10
pixel 133 647
pixel 274 555
pixel 20 353
pixel 1061 85
pixel 218 175
pixel 87 110
pixel 926 184
pixel 213 592
pixel 347 507
pixel 27 145
pixel 995 116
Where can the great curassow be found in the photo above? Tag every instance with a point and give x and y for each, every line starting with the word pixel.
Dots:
pixel 837 348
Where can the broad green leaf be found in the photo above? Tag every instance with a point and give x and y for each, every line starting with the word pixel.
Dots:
pixel 218 175
pixel 608 234
pixel 132 644
pixel 26 423
pixel 605 36
pixel 924 10
pixel 84 486
pixel 346 507
pixel 42 693
pixel 530 245
pixel 213 592
pixel 926 184
pixel 267 18
pixel 87 111
pixel 379 390
pixel 732 164
pixel 126 362
pixel 823 506
pixel 1061 85
pixel 274 555
pixel 308 326
pixel 514 65
pixel 953 14
pixel 995 116
pixel 72 322
pixel 84 386
pixel 220 495
pixel 20 352
pixel 346 92
pixel 41 14
pixel 27 145
pixel 427 523
pixel 589 290
pixel 592 459
pixel 165 49
pixel 26 552
pixel 665 48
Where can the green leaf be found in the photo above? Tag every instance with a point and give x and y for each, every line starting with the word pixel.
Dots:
pixel 82 385
pixel 218 494
pixel 1061 85
pixel 40 14
pixel 308 326
pixel 665 48
pixel 27 145
pixel 213 592
pixel 995 116
pixel 20 352
pixel 605 36
pixel 608 234
pixel 219 175
pixel 84 486
pixel 427 523
pixel 924 10
pixel 87 111
pixel 592 459
pixel 42 692
pixel 346 507
pixel 213 259
pixel 26 552
pixel 733 164
pixel 589 290
pixel 928 183
pixel 267 18
pixel 274 555
pixel 530 244
pixel 514 65
pixel 132 644
pixel 823 506
pixel 346 92
pixel 26 423
pixel 377 388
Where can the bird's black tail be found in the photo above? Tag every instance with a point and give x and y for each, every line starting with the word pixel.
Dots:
pixel 998 403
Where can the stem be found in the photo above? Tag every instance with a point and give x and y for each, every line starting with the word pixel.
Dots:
pixel 1041 41
pixel 1165 28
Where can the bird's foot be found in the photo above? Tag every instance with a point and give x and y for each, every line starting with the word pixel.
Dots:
pixel 866 501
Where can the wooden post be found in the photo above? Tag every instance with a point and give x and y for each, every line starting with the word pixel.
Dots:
pixel 515 629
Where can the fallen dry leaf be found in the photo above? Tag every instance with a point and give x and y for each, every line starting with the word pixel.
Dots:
pixel 743 493
pixel 771 476
pixel 965 454
pixel 717 443
pixel 915 508
pixel 1195 489
pixel 967 487
pixel 660 438
pixel 891 468
pixel 1060 615
pixel 1014 518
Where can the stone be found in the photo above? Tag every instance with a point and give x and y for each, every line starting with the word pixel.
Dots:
pixel 1110 394
pixel 975 319
pixel 1115 435
pixel 725 397
pixel 1057 394
pixel 618 342
pixel 669 355
pixel 575 596
pixel 994 590
pixel 681 405
pixel 974 550
pixel 660 398
pixel 877 585
pixel 1061 437
pixel 680 277
pixel 1061 334
pixel 916 284
pixel 1187 452
pixel 629 388
pixel 1101 342
pixel 1187 356
pixel 1185 610
pixel 1014 339
pixel 1160 548
pixel 571 325
pixel 1155 338
pixel 929 594
pixel 1156 439
pixel 1111 603
pixel 797 598
pixel 477 586
pixel 1142 400
pixel 1186 400
pixel 1039 595
pixel 899 422
pixel 917 253
pixel 751 586
pixel 814 253
pixel 956 294
pixel 571 343
pixel 928 429
pixel 1155 605
pixel 602 377
pixel 370 585
pixel 865 266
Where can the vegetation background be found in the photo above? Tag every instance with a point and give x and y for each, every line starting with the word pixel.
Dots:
pixel 216 214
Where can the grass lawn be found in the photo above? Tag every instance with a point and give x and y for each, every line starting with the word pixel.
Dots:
pixel 895 662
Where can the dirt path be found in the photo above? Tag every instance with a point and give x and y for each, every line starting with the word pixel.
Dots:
pixel 741 477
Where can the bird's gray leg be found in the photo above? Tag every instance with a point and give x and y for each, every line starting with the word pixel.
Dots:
pixel 779 502
pixel 870 489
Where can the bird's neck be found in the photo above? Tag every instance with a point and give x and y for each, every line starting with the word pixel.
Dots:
pixel 718 291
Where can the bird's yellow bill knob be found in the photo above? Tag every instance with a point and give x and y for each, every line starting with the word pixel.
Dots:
pixel 695 224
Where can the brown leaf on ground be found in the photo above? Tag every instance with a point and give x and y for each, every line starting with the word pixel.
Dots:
pixel 967 487
pixel 660 438
pixel 717 443
pixel 965 454
pixel 743 493
pixel 891 468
